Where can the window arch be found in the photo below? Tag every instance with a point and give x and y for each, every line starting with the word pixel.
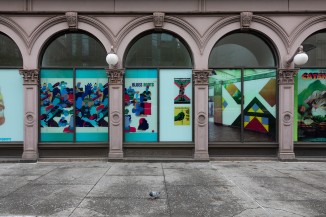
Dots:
pixel 158 89
pixel 158 49
pixel 10 55
pixel 242 89
pixel 73 90
pixel 78 49
pixel 310 92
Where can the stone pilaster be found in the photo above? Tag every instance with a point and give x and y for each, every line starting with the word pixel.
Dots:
pixel 116 112
pixel 286 111
pixel 31 78
pixel 200 79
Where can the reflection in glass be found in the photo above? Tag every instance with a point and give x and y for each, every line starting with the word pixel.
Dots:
pixel 259 109
pixel 74 49
pixel 225 105
pixel 9 52
pixel 158 49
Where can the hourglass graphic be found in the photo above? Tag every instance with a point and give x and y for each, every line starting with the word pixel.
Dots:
pixel 2 109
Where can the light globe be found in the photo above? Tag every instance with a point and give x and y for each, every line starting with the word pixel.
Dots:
pixel 300 58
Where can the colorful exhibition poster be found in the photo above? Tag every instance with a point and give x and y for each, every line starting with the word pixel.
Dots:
pixel 181 116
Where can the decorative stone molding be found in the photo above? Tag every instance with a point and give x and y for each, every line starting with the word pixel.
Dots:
pixel 30 76
pixel 202 119
pixel 72 20
pixel 245 19
pixel 201 76
pixel 287 118
pixel 29 119
pixel 286 76
pixel 115 75
pixel 158 19
pixel 115 118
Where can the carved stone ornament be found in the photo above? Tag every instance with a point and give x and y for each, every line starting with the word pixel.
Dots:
pixel 286 76
pixel 158 19
pixel 115 75
pixel 30 76
pixel 201 76
pixel 72 20
pixel 245 21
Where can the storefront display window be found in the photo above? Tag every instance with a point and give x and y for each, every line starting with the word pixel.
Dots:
pixel 158 102
pixel 10 55
pixel 242 98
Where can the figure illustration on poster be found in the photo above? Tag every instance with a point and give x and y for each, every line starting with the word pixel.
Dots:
pixel 2 108
pixel 182 84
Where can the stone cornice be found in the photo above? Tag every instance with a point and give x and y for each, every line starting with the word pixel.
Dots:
pixel 200 77
pixel 30 76
pixel 286 76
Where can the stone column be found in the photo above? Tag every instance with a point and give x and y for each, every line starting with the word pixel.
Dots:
pixel 116 112
pixel 286 109
pixel 31 77
pixel 200 79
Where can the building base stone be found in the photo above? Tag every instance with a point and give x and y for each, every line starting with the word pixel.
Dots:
pixel 115 155
pixel 286 156
pixel 29 156
pixel 201 156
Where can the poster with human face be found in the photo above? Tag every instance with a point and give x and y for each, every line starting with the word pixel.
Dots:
pixel 140 100
pixel 11 106
pixel 311 105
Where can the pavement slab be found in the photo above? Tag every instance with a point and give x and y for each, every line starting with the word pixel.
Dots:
pixel 136 169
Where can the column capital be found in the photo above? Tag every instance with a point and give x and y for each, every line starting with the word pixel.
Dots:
pixel 30 76
pixel 200 77
pixel 286 76
pixel 115 75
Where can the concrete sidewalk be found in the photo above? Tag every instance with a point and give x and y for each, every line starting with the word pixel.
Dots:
pixel 257 188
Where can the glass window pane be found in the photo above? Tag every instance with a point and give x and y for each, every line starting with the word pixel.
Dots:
pixel 57 105
pixel 9 52
pixel 92 104
pixel 158 49
pixel 315 47
pixel 176 105
pixel 259 105
pixel 225 105
pixel 140 101
pixel 241 50
pixel 11 106
pixel 74 49
pixel 310 101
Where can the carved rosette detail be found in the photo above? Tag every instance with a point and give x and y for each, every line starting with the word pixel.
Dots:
pixel 201 76
pixel 245 20
pixel 158 19
pixel 115 75
pixel 202 119
pixel 29 119
pixel 286 76
pixel 30 76
pixel 72 20
pixel 287 118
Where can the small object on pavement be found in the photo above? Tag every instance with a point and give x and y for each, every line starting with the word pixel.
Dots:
pixel 154 194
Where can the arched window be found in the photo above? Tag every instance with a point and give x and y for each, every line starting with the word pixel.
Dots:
pixel 158 89
pixel 242 90
pixel 10 55
pixel 310 92
pixel 74 90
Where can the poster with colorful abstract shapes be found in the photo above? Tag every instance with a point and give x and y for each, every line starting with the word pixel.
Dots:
pixel 181 116
pixel 11 106
pixel 310 100
pixel 182 87
pixel 92 105
pixel 140 99
pixel 57 105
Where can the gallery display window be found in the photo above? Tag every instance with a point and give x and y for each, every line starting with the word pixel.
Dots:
pixel 74 101
pixel 310 92
pixel 11 92
pixel 158 101
pixel 242 90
